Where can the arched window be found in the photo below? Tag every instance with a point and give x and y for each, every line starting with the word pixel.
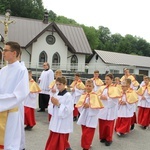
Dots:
pixel 42 57
pixel 74 63
pixel 56 61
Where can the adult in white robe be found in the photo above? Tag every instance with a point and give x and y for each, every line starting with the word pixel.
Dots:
pixel 21 110
pixel 13 90
pixel 47 76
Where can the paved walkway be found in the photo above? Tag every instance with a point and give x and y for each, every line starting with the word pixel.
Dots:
pixel 138 139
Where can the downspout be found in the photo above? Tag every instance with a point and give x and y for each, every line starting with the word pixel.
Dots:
pixel 29 57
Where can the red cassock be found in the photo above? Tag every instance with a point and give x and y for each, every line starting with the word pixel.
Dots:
pixel 75 112
pixel 29 117
pixel 87 136
pixel 57 141
pixel 106 129
pixel 123 125
pixel 144 116
pixel 133 119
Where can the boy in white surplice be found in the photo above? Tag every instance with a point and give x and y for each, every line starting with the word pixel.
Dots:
pixel 61 110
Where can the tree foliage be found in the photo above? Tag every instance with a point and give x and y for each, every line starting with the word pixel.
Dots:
pixel 23 8
pixel 91 35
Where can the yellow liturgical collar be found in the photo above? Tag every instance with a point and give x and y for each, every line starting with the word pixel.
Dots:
pixel 113 92
pixel 94 100
pixel 79 85
pixel 34 88
pixel 131 96
pixel 98 81
pixel 52 84
pixel 142 89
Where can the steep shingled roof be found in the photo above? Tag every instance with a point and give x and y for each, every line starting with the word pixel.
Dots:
pixel 25 31
pixel 123 59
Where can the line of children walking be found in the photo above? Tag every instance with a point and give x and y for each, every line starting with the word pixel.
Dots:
pixel 91 106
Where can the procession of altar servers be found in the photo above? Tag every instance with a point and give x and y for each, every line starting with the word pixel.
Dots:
pixel 118 113
pixel 118 104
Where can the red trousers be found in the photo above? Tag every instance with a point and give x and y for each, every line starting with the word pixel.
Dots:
pixel 133 119
pixel 106 128
pixel 49 117
pixel 87 136
pixel 29 117
pixel 123 125
pixel 2 147
pixel 75 111
pixel 57 141
pixel 144 116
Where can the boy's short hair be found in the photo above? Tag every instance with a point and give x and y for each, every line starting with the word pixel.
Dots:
pixel 58 71
pixel 110 75
pixel 14 47
pixel 62 80
pixel 77 74
pixel 117 78
pixel 146 77
pixel 96 71
pixel 89 81
pixel 125 69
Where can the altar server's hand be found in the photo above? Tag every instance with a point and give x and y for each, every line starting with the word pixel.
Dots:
pixel 55 101
pixel 103 97
pixel 86 105
pixel 53 90
pixel 122 102
pixel 72 89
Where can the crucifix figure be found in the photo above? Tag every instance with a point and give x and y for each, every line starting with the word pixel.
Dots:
pixel 6 23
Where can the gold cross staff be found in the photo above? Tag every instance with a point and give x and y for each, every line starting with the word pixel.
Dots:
pixel 6 23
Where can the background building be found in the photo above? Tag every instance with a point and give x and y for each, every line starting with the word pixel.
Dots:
pixel 63 46
pixel 116 62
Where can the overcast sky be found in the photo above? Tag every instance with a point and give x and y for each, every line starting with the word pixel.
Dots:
pixel 120 16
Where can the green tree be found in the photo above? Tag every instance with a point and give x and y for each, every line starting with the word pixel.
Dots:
pixel 23 8
pixel 143 47
pixel 115 40
pixel 65 20
pixel 104 35
pixel 52 16
pixel 92 36
pixel 128 44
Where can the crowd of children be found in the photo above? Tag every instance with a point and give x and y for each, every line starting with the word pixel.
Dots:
pixel 111 105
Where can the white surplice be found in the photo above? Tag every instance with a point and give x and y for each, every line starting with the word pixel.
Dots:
pixel 21 110
pixel 52 93
pixel 62 117
pixel 31 100
pixel 127 110
pixel 88 116
pixel 144 103
pixel 110 110
pixel 96 87
pixel 45 79
pixel 14 88
pixel 76 94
